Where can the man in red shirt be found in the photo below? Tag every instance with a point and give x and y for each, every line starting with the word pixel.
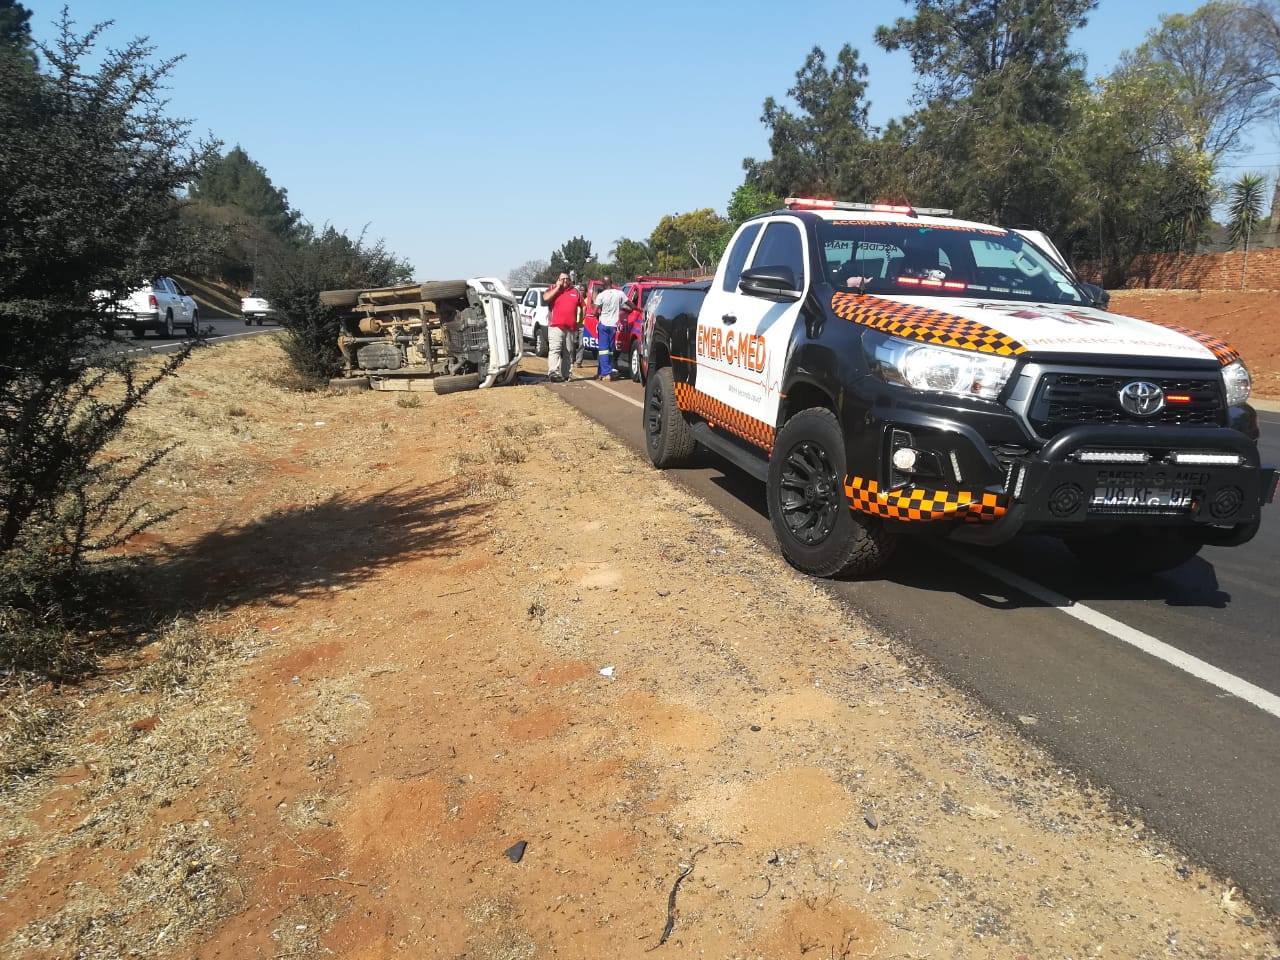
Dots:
pixel 564 300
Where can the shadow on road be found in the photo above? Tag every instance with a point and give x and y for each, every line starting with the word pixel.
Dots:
pixel 919 563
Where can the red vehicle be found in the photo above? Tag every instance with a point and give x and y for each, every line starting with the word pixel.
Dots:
pixel 626 344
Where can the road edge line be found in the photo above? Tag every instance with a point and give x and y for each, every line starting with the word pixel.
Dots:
pixel 1264 700
pixel 614 393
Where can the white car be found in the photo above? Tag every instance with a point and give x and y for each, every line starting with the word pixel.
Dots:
pixel 161 305
pixel 533 318
pixel 256 309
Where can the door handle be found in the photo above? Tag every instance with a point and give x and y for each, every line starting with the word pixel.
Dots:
pixel 728 318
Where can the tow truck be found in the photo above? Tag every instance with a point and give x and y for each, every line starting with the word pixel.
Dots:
pixel 888 370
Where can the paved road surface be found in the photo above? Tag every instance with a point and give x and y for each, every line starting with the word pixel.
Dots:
pixel 1102 667
pixel 215 331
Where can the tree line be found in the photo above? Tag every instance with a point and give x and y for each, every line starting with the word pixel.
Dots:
pixel 1007 128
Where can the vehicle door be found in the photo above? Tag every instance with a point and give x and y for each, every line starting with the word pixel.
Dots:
pixel 742 339
pixel 184 303
pixel 528 310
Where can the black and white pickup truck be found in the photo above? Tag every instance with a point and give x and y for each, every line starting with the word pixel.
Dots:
pixel 886 370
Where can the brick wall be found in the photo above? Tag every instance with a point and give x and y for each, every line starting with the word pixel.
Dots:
pixel 1206 271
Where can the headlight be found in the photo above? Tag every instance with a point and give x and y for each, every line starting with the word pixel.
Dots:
pixel 1235 376
pixel 922 367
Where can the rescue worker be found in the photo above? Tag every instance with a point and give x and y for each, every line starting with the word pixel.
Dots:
pixel 608 306
pixel 564 300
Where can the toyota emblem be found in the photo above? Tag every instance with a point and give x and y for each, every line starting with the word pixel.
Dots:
pixel 1141 398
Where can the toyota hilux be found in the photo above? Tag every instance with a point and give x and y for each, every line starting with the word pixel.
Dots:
pixel 887 370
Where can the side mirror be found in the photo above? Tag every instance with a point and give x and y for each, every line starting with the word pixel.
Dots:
pixel 1097 295
pixel 770 283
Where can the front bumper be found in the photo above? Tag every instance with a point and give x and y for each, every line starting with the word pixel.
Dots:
pixel 1053 491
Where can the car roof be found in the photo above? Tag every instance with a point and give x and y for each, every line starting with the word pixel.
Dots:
pixel 891 219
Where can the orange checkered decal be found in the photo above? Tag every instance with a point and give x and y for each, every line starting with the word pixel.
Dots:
pixel 990 231
pixel 722 415
pixel 1224 351
pixel 923 324
pixel 916 503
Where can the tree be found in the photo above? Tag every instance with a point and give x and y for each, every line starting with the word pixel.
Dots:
pixel 1219 70
pixel 91 164
pixel 999 87
pixel 750 200
pixel 820 149
pixel 631 259
pixel 957 45
pixel 327 260
pixel 572 257
pixel 1244 211
pixel 1138 187
pixel 237 181
pixel 687 241
pixel 15 30
pixel 529 272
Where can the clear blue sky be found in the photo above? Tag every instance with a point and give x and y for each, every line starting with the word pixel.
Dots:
pixel 476 135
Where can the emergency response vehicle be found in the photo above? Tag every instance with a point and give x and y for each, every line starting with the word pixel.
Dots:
pixel 887 370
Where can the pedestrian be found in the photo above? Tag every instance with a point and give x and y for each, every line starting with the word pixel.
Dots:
pixel 608 306
pixel 563 299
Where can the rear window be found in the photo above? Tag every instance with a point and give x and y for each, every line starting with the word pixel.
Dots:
pixel 941 261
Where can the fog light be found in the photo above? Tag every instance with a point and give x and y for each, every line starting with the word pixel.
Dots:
pixel 1226 503
pixel 1066 500
pixel 904 459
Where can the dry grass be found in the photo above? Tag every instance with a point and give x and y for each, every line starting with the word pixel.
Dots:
pixel 145 752
pixel 409 401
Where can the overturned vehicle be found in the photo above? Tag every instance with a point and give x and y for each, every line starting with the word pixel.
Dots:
pixel 464 334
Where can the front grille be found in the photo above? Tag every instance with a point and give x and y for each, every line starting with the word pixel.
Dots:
pixel 1064 400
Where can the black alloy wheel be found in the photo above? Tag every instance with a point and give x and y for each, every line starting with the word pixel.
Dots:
pixel 810 493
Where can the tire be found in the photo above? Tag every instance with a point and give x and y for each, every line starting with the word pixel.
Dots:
pixel 540 345
pixel 193 328
pixel 339 298
pixel 138 332
pixel 444 290
pixel 166 327
pixel 464 381
pixel 668 438
pixel 634 362
pixel 818 533
pixel 1135 554
pixel 248 322
pixel 259 322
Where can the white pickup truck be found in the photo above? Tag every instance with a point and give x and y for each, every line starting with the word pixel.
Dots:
pixel 534 318
pixel 256 309
pixel 161 305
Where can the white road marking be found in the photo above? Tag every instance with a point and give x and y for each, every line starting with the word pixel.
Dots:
pixel 621 396
pixel 1227 682
pixel 1264 700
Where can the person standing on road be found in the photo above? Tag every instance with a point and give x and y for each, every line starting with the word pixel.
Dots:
pixel 609 306
pixel 564 300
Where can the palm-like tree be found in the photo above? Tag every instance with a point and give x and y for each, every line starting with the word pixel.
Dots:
pixel 1245 213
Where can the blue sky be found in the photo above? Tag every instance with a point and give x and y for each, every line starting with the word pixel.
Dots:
pixel 474 136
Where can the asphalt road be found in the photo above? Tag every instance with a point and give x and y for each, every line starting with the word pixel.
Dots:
pixel 215 331
pixel 1126 684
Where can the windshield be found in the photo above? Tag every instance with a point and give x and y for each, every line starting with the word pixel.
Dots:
pixel 909 259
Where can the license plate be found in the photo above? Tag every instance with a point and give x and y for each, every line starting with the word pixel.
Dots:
pixel 1142 496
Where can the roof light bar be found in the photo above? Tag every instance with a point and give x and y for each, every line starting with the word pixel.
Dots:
pixel 809 203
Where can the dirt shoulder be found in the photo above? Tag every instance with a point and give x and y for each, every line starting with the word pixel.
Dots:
pixel 440 630
pixel 1248 320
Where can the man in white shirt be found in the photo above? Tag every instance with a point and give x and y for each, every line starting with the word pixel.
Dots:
pixel 609 304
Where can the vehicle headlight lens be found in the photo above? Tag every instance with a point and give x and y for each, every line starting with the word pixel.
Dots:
pixel 1238 383
pixel 923 367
